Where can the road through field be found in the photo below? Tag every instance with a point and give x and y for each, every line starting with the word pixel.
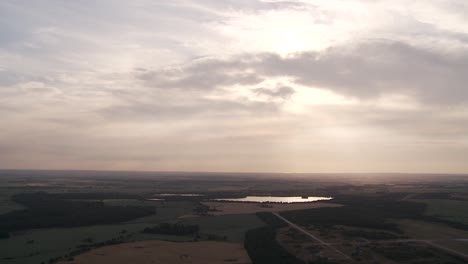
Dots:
pixel 300 229
pixel 447 249
pixel 330 245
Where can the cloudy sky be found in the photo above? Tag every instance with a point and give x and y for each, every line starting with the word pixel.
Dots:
pixel 235 85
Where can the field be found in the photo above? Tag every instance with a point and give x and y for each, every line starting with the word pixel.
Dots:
pixel 453 210
pixel 428 230
pixel 49 217
pixel 233 227
pixel 40 245
pixel 53 242
pixel 343 244
pixel 6 205
pixel 224 208
pixel 149 252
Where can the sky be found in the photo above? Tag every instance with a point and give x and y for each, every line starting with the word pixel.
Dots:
pixel 235 85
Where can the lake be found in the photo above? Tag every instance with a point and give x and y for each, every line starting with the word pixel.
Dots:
pixel 179 194
pixel 276 199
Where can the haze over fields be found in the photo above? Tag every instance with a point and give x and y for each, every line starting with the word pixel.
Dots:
pixel 235 85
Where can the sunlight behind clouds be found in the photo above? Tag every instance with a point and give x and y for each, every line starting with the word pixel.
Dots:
pixel 287 31
pixel 252 85
pixel 307 97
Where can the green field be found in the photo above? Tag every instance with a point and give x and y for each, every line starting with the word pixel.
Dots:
pixel 451 210
pixel 233 227
pixel 372 209
pixel 7 206
pixel 54 242
pixel 41 245
pixel 49 243
pixel 165 211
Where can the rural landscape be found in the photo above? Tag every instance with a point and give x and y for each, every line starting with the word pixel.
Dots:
pixel 143 217
pixel 234 132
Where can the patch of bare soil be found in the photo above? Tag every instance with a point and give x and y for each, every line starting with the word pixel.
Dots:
pixel 162 252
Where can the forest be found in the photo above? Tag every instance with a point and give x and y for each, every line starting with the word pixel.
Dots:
pixel 52 210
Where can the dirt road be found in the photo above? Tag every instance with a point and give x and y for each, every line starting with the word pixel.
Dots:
pixel 300 229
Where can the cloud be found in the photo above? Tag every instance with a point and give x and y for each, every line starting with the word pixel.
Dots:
pixel 234 84
pixel 283 92
pixel 204 74
pixel 378 68
pixel 249 5
pixel 430 125
pixel 193 109
pixel 364 70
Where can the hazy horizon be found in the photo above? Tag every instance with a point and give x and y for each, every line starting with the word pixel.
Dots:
pixel 300 86
pixel 93 173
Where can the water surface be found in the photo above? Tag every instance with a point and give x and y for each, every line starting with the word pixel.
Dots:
pixel 276 199
pixel 179 194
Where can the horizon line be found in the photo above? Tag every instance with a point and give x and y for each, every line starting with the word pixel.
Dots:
pixel 237 172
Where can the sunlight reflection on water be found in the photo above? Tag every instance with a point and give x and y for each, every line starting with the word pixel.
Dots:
pixel 275 199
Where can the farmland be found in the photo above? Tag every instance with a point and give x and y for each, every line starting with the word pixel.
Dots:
pixel 166 252
pixel 224 208
pixel 365 222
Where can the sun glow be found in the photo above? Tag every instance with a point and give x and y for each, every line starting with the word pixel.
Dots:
pixel 306 97
pixel 282 32
pixel 289 40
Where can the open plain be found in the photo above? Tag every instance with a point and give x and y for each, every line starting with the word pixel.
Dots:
pixel 162 252
pixel 110 217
